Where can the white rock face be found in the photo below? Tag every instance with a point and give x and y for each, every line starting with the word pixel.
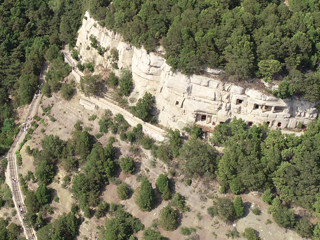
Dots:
pixel 181 99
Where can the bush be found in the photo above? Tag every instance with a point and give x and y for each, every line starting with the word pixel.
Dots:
pixel 123 191
pixel 188 181
pixel 222 189
pixel 56 199
pixel 92 117
pixel 99 135
pixel 211 211
pixel 146 142
pixel 164 154
pixel 250 234
pixel 90 66
pixel 223 208
pixel 168 219
pixel 282 216
pixel 179 202
pixel 80 67
pixel 123 136
pixel 75 54
pixel 113 79
pixel 127 165
pixel 256 211
pixel 150 234
pixel 13 212
pixel 186 231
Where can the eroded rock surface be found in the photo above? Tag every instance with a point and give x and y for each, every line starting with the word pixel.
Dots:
pixel 181 99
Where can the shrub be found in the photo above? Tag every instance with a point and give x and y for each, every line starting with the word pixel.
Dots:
pixel 56 199
pixel 113 79
pixel 256 211
pixel 186 231
pixel 168 218
pixel 127 165
pixel 211 211
pixel 123 191
pixel 164 153
pixel 99 135
pixel 36 117
pixel 188 181
pixel 92 117
pixel 179 202
pixel 75 54
pixel 223 208
pixel 222 189
pixel 146 142
pixel 123 136
pixel 90 66
pixel 13 212
pixel 150 234
pixel 250 234
pixel 233 233
pixel 80 67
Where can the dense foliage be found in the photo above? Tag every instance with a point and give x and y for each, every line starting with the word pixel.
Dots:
pixel 65 227
pixel 122 226
pixel 245 37
pixel 267 159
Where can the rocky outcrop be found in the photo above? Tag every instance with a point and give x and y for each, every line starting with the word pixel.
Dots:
pixel 181 99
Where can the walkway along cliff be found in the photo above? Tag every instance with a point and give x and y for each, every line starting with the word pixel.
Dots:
pixel 181 99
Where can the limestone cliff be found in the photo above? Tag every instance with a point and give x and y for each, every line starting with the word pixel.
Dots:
pixel 182 99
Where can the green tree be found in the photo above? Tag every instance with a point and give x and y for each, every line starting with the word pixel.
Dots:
pixel 224 209
pixel 282 216
pixel 126 83
pixel 122 226
pixel 267 196
pixel 304 228
pixel 113 79
pixel 175 142
pixel 90 84
pixel 42 194
pixel 8 125
pixel 285 90
pixel 164 154
pixel 168 218
pixel 198 158
pixel 238 207
pixel 143 107
pixel 162 185
pixel 267 68
pixel 123 191
pixel 127 165
pixel 146 197
pixel 67 91
pixel 45 172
